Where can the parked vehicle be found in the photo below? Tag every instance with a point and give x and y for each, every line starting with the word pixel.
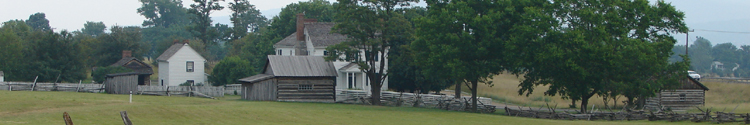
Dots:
pixel 694 75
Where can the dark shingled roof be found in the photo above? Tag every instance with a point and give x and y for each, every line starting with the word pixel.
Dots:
pixel 320 34
pixel 170 52
pixel 290 40
pixel 698 83
pixel 135 65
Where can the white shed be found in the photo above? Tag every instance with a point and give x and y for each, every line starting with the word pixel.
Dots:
pixel 181 64
pixel 2 76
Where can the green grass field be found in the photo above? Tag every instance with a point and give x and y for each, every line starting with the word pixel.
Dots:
pixel 720 96
pixel 44 108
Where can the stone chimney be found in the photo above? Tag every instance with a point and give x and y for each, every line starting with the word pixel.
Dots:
pixel 126 54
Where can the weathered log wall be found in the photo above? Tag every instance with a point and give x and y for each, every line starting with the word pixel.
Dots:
pixel 681 99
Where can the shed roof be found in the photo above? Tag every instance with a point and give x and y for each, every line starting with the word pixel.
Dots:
pixel 321 36
pixel 170 52
pixel 122 74
pixel 300 66
pixel 697 83
pixel 134 64
pixel 256 78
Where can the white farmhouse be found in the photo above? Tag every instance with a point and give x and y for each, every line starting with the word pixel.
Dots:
pixel 312 38
pixel 181 64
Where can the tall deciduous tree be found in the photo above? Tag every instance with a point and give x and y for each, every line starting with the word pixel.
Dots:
pixel 201 27
pixel 12 34
pixel 245 18
pixel 372 27
pixel 110 46
pixel 595 47
pixel 39 22
pixel 163 13
pixel 466 40
pixel 285 23
pixel 93 28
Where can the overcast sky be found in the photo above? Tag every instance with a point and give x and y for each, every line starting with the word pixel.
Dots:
pixel 709 18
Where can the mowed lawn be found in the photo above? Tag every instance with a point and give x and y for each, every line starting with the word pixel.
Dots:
pixel 44 108
pixel 719 97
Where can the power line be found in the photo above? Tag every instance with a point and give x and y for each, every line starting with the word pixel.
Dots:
pixel 720 31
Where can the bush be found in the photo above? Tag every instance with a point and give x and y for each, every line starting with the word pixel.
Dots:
pixel 229 70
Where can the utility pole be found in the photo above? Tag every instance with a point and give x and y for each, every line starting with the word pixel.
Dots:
pixel 686 41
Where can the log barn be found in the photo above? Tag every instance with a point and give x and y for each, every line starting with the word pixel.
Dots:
pixel 689 94
pixel 292 78
pixel 121 83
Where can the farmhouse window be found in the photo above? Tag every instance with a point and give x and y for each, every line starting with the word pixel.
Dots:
pixel 325 53
pixel 682 97
pixel 190 66
pixel 305 87
pixel 279 52
pixel 351 80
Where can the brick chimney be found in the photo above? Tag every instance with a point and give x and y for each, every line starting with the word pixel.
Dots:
pixel 126 54
pixel 300 26
pixel 175 41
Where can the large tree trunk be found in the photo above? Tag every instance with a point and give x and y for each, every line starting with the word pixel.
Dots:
pixel 458 90
pixel 474 96
pixel 584 104
pixel 375 89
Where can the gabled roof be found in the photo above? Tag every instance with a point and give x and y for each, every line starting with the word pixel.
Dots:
pixel 320 34
pixel 300 66
pixel 290 40
pixel 170 51
pixel 121 74
pixel 135 65
pixel 2 74
pixel 697 83
pixel 294 66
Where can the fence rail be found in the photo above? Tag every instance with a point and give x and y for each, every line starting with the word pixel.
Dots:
pixel 727 80
pixel 416 100
pixel 28 86
pixel 181 90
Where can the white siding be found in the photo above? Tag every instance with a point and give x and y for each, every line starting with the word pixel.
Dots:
pixel 163 73
pixel 286 51
pixel 177 67
pixel 2 78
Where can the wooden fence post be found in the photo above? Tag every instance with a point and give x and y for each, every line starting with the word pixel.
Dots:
pixel 67 119
pixel 33 86
pixel 125 118
pixel 79 86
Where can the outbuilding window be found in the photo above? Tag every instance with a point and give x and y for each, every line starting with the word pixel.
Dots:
pixel 305 87
pixel 682 97
pixel 190 66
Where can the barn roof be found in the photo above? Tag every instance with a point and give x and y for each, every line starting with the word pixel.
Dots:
pixel 300 66
pixel 134 64
pixel 697 83
pixel 122 74
pixel 321 36
pixel 170 52
pixel 294 66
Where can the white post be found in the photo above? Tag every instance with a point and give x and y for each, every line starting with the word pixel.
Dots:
pixel 131 96
pixel 79 86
